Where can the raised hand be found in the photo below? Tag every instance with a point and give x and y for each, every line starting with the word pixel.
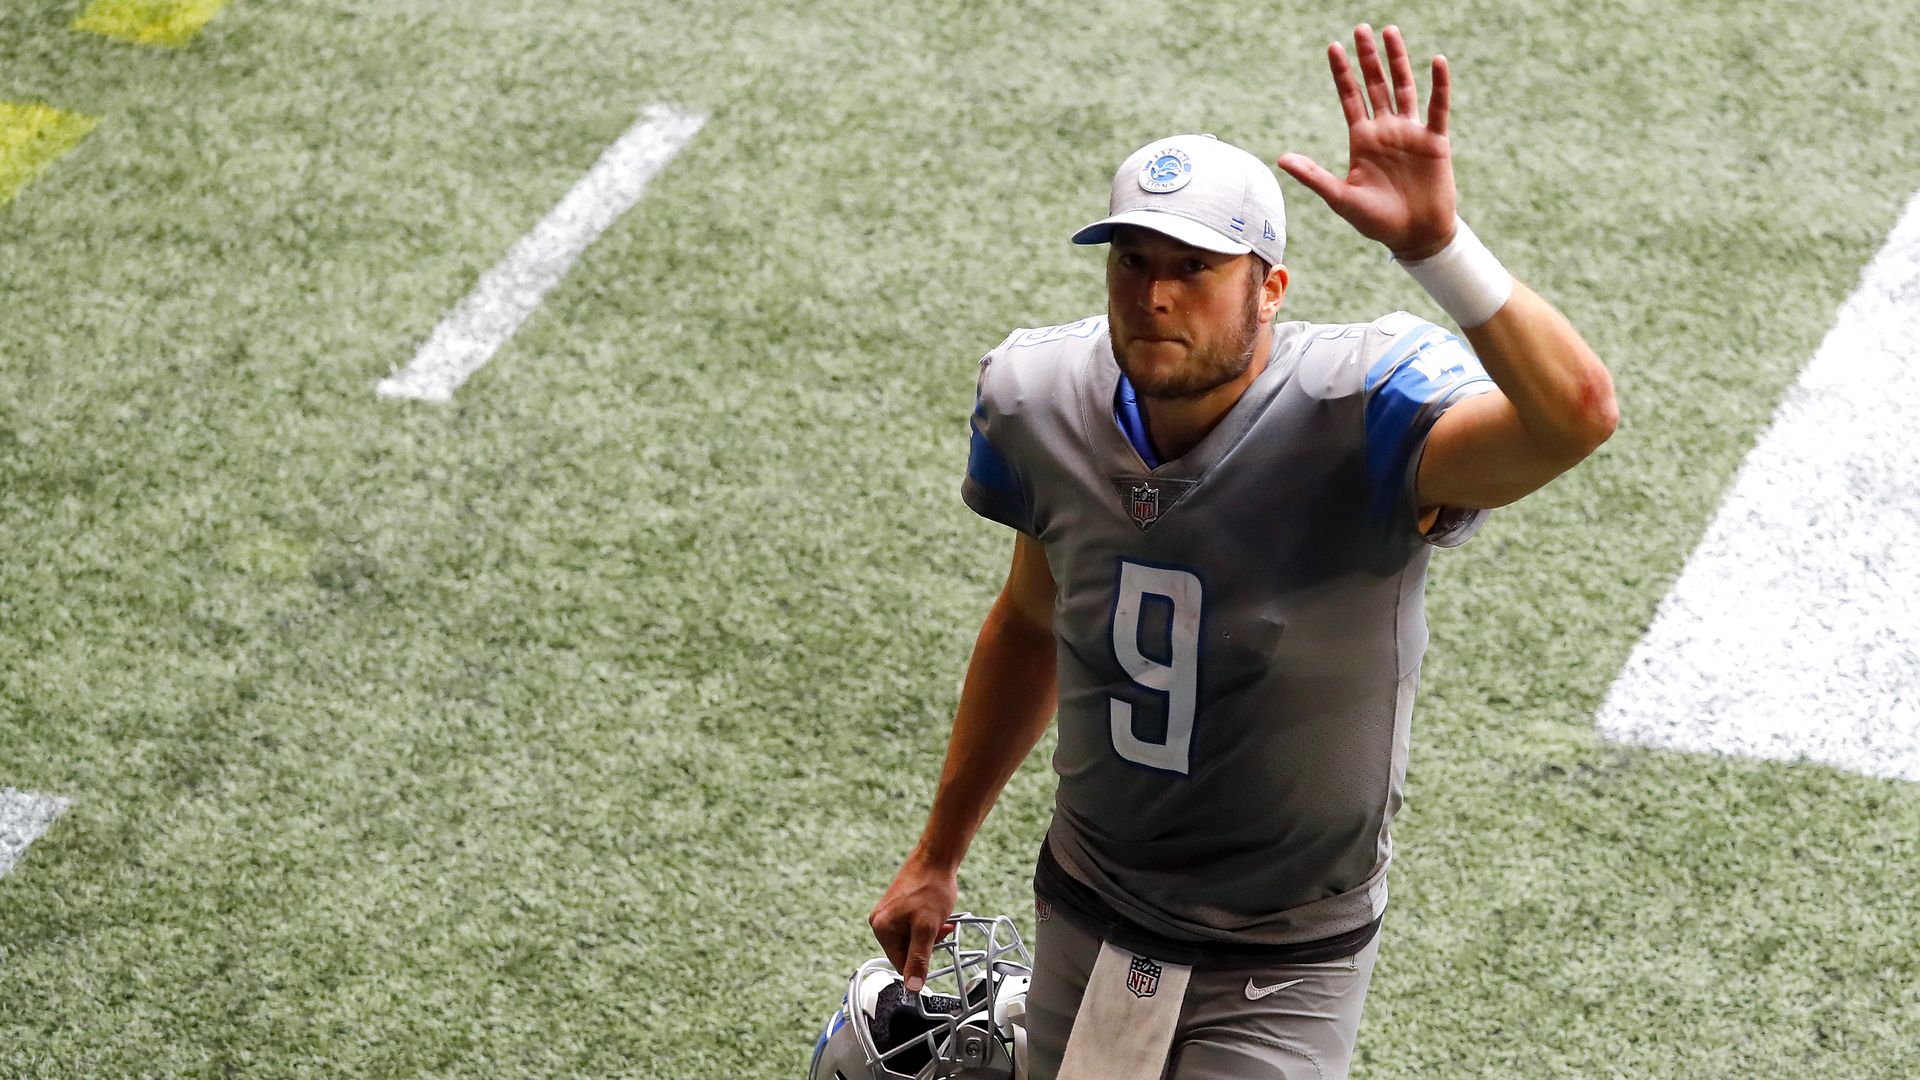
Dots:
pixel 1399 184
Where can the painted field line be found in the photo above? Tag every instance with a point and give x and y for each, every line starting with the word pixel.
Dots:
pixel 23 817
pixel 1792 632
pixel 32 137
pixel 172 23
pixel 476 328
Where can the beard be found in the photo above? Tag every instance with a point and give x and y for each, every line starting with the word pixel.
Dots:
pixel 1207 367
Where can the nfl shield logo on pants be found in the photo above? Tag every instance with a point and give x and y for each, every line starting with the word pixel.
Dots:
pixel 1143 977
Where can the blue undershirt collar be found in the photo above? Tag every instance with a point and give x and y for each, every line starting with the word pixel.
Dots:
pixel 1126 413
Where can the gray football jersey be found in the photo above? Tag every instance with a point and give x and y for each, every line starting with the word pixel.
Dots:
pixel 1239 630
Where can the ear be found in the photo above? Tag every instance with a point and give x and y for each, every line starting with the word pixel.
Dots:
pixel 1275 290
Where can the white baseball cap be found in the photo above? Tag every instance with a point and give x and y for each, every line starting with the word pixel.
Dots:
pixel 1200 191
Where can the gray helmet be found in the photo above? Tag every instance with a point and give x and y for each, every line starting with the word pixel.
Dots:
pixel 977 1031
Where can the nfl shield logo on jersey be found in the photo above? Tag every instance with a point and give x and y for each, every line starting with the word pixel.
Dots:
pixel 1146 499
pixel 1144 504
pixel 1143 977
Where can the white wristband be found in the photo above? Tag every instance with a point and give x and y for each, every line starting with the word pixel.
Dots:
pixel 1464 278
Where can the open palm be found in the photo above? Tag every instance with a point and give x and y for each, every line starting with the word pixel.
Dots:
pixel 1399 183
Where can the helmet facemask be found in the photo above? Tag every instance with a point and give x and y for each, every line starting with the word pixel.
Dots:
pixel 967 1023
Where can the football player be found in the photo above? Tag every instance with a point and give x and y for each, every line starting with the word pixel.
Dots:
pixel 1223 525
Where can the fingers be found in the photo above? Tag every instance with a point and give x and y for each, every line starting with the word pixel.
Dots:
pixel 1370 68
pixel 915 971
pixel 1398 97
pixel 920 952
pixel 1406 99
pixel 1346 85
pixel 908 937
pixel 1441 98
pixel 1308 172
pixel 893 941
pixel 913 917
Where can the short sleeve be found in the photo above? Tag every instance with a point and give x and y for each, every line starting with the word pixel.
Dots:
pixel 1422 371
pixel 992 487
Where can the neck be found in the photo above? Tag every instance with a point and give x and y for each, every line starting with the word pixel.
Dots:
pixel 1178 424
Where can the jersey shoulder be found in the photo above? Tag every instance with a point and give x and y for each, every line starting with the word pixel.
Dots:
pixel 1035 364
pixel 1339 360
pixel 1023 406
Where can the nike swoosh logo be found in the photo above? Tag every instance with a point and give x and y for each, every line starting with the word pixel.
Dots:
pixel 1255 993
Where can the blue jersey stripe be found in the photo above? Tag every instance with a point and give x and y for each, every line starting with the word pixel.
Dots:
pixel 985 464
pixel 1407 390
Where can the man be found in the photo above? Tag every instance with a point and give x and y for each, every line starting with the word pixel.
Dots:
pixel 1223 529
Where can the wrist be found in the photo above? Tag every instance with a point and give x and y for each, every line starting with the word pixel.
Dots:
pixel 1429 250
pixel 1463 277
pixel 937 855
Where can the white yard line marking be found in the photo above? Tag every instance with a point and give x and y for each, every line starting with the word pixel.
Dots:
pixel 1792 632
pixel 476 328
pixel 23 817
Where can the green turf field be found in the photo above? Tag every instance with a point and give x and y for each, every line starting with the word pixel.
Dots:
pixel 572 728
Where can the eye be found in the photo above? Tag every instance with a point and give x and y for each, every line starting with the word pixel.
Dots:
pixel 1131 260
pixel 1192 267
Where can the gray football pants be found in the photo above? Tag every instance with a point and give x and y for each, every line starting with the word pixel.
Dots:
pixel 1232 1026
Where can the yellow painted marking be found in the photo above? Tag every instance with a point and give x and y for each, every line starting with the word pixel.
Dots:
pixel 32 136
pixel 149 22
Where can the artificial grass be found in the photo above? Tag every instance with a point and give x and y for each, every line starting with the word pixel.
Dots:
pixel 572 729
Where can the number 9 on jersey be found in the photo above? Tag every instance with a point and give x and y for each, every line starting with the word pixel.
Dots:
pixel 1178 679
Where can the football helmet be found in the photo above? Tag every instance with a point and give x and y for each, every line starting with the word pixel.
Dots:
pixel 968 1022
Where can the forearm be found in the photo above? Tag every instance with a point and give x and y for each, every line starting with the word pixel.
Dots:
pixel 1558 386
pixel 1005 705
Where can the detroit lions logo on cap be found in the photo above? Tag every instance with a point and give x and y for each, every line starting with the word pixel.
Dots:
pixel 1167 170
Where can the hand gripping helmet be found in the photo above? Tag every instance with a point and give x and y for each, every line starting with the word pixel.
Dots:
pixel 968 1022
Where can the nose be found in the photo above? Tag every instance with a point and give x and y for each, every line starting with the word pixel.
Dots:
pixel 1157 297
